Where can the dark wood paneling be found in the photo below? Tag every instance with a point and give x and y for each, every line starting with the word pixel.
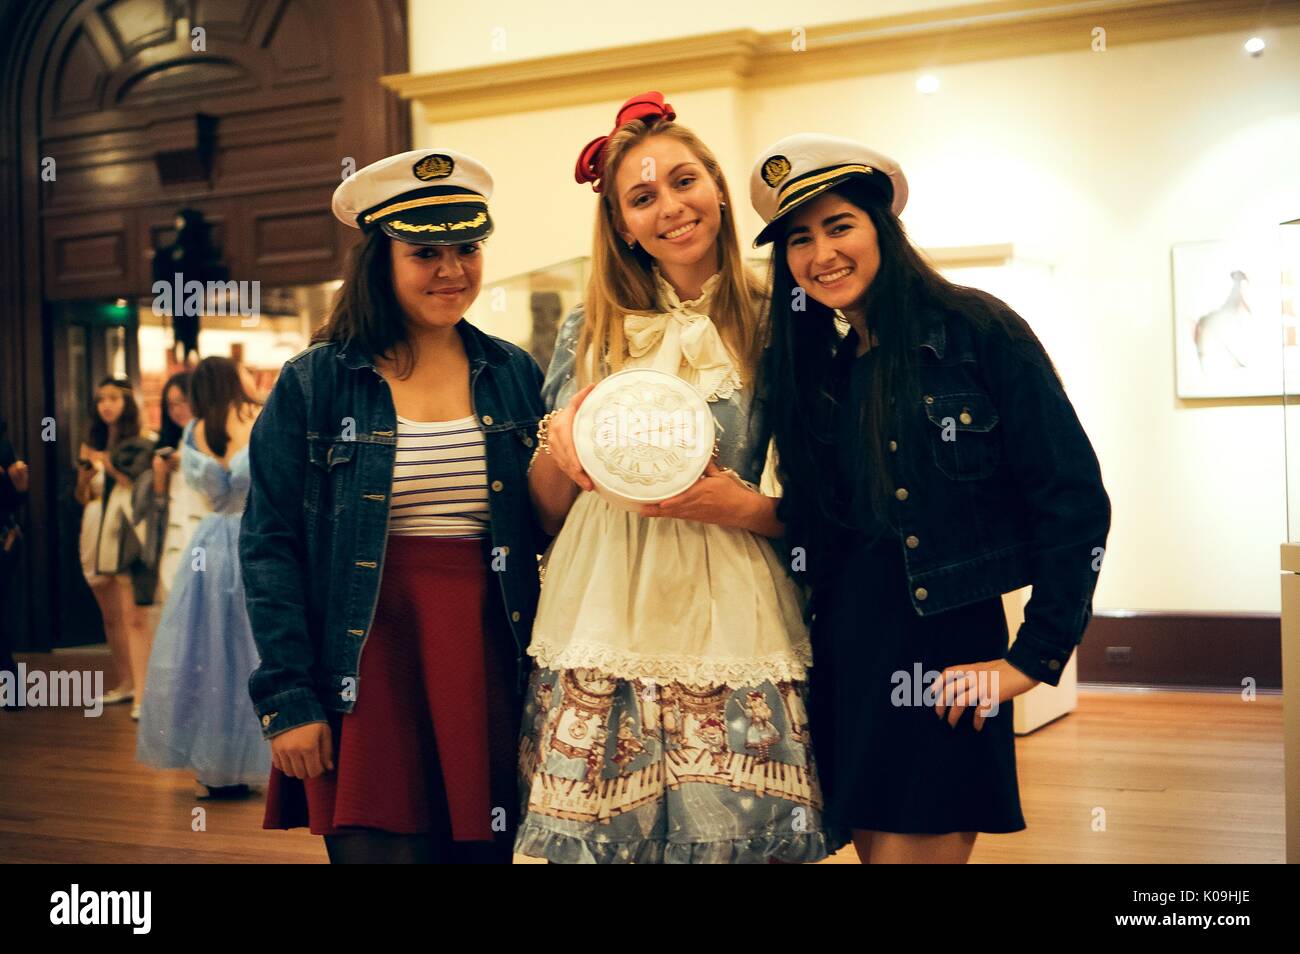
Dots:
pixel 101 85
pixel 279 79
pixel 89 254
pixel 1217 650
pixel 286 233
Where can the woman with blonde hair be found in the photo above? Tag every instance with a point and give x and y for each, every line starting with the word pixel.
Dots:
pixel 665 719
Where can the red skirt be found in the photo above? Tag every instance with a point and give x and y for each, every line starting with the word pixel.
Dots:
pixel 429 746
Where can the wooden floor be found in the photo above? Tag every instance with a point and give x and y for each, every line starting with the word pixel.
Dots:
pixel 1180 777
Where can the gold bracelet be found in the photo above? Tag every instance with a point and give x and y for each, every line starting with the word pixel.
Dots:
pixel 543 433
pixel 542 440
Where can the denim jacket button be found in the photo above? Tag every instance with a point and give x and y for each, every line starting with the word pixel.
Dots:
pixel 929 399
pixel 487 419
pixel 901 493
pixel 913 543
pixel 515 616
pixel 965 417
pixel 266 720
pixel 893 447
pixel 497 485
pixel 922 592
pixel 1053 664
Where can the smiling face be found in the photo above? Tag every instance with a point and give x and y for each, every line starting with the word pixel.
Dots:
pixel 667 201
pixel 436 284
pixel 832 251
pixel 110 403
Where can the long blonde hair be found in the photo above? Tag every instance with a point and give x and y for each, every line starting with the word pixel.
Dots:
pixel 621 282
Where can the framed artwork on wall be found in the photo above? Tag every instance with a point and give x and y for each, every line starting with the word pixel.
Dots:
pixel 1228 335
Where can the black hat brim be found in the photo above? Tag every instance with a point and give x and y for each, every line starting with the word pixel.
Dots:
pixel 774 229
pixel 439 225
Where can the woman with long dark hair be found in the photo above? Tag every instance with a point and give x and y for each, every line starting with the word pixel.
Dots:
pixel 390 547
pixel 197 714
pixel 184 506
pixel 930 461
pixel 112 456
pixel 167 509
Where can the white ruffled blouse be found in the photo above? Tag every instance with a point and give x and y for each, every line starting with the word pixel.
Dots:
pixel 657 598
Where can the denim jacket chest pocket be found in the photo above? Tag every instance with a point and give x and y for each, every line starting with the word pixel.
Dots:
pixel 331 459
pixel 963 434
pixel 517 428
pixel 525 438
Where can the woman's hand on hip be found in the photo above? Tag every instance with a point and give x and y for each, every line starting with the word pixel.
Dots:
pixel 981 686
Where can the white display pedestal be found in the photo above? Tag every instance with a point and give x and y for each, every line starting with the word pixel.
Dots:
pixel 1291 696
pixel 1043 703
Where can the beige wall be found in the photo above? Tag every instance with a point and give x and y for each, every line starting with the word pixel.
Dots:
pixel 1093 162
pixel 447 37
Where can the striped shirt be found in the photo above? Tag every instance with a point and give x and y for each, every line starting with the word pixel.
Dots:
pixel 440 479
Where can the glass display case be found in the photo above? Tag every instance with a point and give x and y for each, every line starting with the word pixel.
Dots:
pixel 1289 245
pixel 1290 564
pixel 528 308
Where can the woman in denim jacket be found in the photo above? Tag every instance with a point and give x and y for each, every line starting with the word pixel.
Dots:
pixel 389 513
pixel 931 461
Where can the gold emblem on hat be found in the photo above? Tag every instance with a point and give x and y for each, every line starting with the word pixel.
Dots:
pixel 436 166
pixel 776 169
pixel 473 223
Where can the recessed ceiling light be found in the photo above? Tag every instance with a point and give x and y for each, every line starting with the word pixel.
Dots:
pixel 1255 46
pixel 927 83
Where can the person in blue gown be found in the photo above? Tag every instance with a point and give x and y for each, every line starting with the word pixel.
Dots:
pixel 197 713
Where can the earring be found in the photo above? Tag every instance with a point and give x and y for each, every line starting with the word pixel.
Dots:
pixel 722 206
pixel 631 243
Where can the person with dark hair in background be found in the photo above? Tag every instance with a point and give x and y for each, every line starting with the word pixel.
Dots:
pixel 167 510
pixel 13 494
pixel 113 455
pixel 197 714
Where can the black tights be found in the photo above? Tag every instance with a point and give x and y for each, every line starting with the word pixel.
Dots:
pixel 372 847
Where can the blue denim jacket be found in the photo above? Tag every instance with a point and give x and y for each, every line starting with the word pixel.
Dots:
pixel 997 487
pixel 315 529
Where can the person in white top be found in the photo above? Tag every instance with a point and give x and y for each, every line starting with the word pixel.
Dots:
pixel 665 720
pixel 104 491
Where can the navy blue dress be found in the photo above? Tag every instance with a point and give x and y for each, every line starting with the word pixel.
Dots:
pixel 888 766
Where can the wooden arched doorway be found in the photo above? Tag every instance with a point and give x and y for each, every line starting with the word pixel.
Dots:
pixel 115 114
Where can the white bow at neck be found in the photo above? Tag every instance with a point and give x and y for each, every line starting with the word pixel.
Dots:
pixel 683 340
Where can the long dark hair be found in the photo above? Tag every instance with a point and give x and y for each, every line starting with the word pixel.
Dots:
pixel 215 387
pixel 127 424
pixel 169 432
pixel 366 313
pixel 797 370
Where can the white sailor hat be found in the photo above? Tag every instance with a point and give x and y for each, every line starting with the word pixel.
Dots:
pixel 425 197
pixel 803 166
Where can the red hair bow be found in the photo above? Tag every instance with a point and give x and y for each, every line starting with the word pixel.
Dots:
pixel 591 160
